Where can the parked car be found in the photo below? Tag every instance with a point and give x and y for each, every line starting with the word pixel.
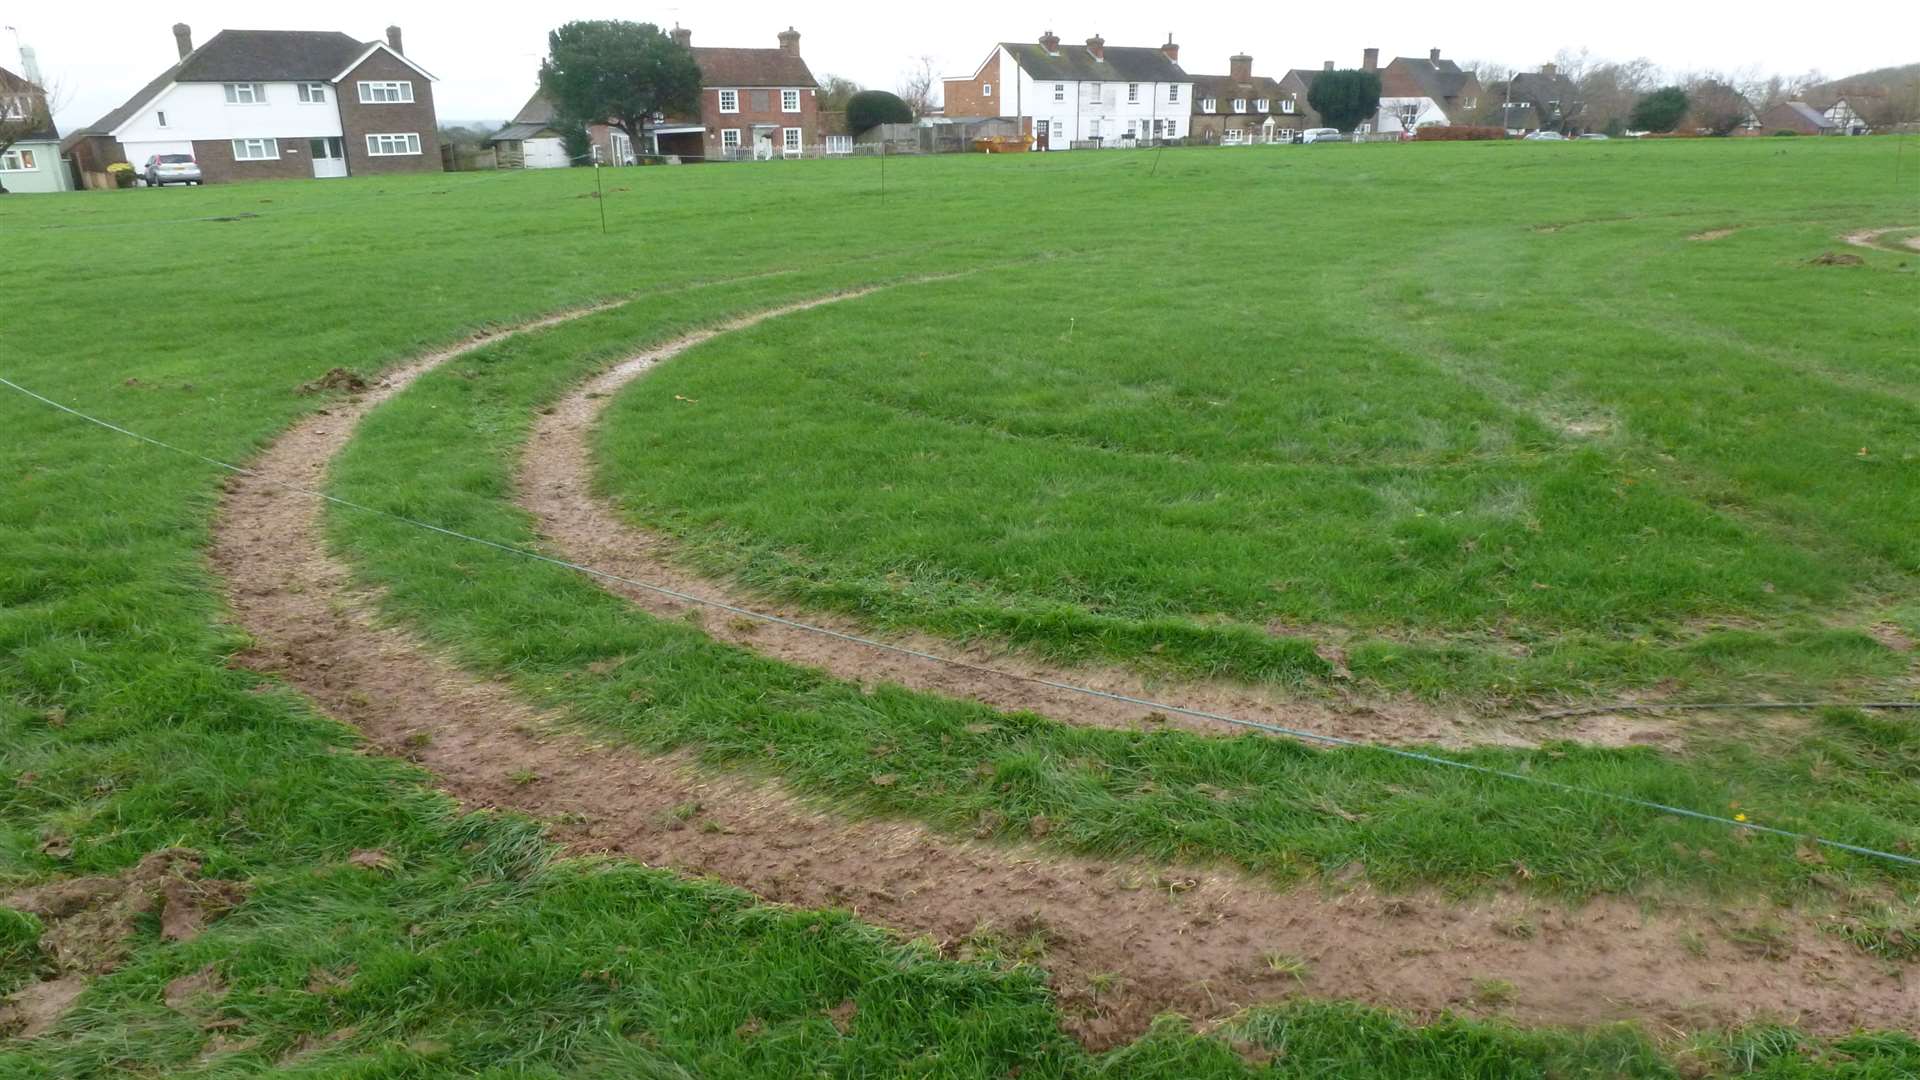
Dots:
pixel 1545 136
pixel 1320 135
pixel 1595 135
pixel 164 169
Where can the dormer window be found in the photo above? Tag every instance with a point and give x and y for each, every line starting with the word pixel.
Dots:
pixel 1286 104
pixel 1210 105
pixel 1260 106
pixel 1239 104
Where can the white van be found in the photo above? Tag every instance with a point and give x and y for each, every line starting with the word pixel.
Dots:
pixel 1320 135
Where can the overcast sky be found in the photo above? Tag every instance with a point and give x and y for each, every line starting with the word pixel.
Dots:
pixel 98 54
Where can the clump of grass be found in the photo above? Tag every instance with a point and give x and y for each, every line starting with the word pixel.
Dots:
pixel 1287 964
pixel 1493 993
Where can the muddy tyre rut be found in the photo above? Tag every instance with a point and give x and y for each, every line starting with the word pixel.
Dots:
pixel 1152 938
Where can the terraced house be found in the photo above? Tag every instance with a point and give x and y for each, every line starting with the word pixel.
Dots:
pixel 1240 108
pixel 274 105
pixel 1079 96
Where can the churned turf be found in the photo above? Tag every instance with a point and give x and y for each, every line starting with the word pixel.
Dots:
pixel 464 949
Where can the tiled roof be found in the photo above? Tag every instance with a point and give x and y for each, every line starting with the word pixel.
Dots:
pixel 752 67
pixel 1075 64
pixel 11 85
pixel 1410 76
pixel 1224 88
pixel 270 56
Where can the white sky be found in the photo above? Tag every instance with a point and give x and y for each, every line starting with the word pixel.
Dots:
pixel 98 54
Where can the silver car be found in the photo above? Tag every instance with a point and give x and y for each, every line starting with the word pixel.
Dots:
pixel 164 169
pixel 1315 135
pixel 1545 136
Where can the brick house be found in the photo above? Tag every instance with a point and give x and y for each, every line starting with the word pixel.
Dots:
pixel 1296 84
pixel 1241 108
pixel 275 105
pixel 1078 96
pixel 1799 118
pixel 1543 100
pixel 1416 92
pixel 760 104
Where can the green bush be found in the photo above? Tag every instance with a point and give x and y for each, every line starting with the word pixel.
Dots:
pixel 870 108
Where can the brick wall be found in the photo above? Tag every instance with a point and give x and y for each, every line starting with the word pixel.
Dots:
pixel 759 111
pixel 358 120
pixel 217 164
pixel 967 97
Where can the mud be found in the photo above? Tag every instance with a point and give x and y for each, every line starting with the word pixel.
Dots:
pixel 1870 238
pixel 1120 942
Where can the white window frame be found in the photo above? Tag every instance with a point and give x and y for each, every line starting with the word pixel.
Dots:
pixel 986 89
pixel 1172 133
pixel 399 91
pixel 1239 104
pixel 1208 105
pixel 730 140
pixel 839 144
pixel 729 101
pixel 311 93
pixel 1232 137
pixel 1173 93
pixel 269 149
pixel 792 142
pixel 1059 129
pixel 1260 104
pixel 20 159
pixel 1133 93
pixel 245 93
pixel 789 96
pixel 1286 104
pixel 1059 91
pixel 409 142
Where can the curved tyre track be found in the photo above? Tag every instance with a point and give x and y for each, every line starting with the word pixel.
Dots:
pixel 1150 938
pixel 556 486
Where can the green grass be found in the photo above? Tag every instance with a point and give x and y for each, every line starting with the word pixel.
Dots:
pixel 123 727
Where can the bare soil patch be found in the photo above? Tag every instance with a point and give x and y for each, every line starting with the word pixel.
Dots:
pixel 90 922
pixel 1121 942
pixel 1870 238
pixel 555 485
pixel 1714 234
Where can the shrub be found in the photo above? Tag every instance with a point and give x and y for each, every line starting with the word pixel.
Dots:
pixel 1777 134
pixel 1345 98
pixel 871 108
pixel 122 174
pixel 1457 133
pixel 1661 110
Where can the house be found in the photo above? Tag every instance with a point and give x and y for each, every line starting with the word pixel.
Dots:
pixel 1297 83
pixel 1841 112
pixel 754 103
pixel 1543 100
pixel 1799 118
pixel 1074 96
pixel 1240 108
pixel 1416 92
pixel 274 105
pixel 29 142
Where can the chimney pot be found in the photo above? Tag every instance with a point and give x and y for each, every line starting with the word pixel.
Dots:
pixel 393 40
pixel 183 39
pixel 1326 65
pixel 1172 50
pixel 1097 45
pixel 682 36
pixel 1370 60
pixel 1050 41
pixel 790 41
pixel 1433 55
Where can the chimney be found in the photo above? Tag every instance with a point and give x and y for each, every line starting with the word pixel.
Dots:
pixel 1548 70
pixel 790 41
pixel 1326 65
pixel 1172 50
pixel 1240 68
pixel 1050 41
pixel 1433 57
pixel 1097 45
pixel 682 36
pixel 183 38
pixel 1370 60
pixel 393 40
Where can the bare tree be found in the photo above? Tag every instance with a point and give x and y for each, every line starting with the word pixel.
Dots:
pixel 1718 106
pixel 26 112
pixel 836 91
pixel 1609 88
pixel 919 87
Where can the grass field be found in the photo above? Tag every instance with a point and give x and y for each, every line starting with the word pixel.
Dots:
pixel 1483 423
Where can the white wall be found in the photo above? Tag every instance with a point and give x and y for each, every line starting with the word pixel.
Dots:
pixel 1388 118
pixel 139 152
pixel 1105 105
pixel 544 153
pixel 49 173
pixel 200 111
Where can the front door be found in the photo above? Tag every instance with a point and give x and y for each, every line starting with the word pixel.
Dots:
pixel 1039 134
pixel 329 157
pixel 763 144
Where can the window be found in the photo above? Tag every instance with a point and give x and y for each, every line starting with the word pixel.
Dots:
pixel 397 92
pixel 1059 129
pixel 1210 105
pixel 1133 93
pixel 1239 104
pixel 312 93
pixel 1465 102
pixel 160 118
pixel 1093 128
pixel 986 89
pixel 1133 129
pixel 790 140
pixel 18 161
pixel 246 93
pixel 1232 137
pixel 730 140
pixel 730 102
pixel 1171 133
pixel 256 149
pixel 1286 104
pixel 839 144
pixel 1260 105
pixel 1059 91
pixel 1173 92
pixel 789 101
pixel 396 145
pixel 622 148
pixel 327 149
